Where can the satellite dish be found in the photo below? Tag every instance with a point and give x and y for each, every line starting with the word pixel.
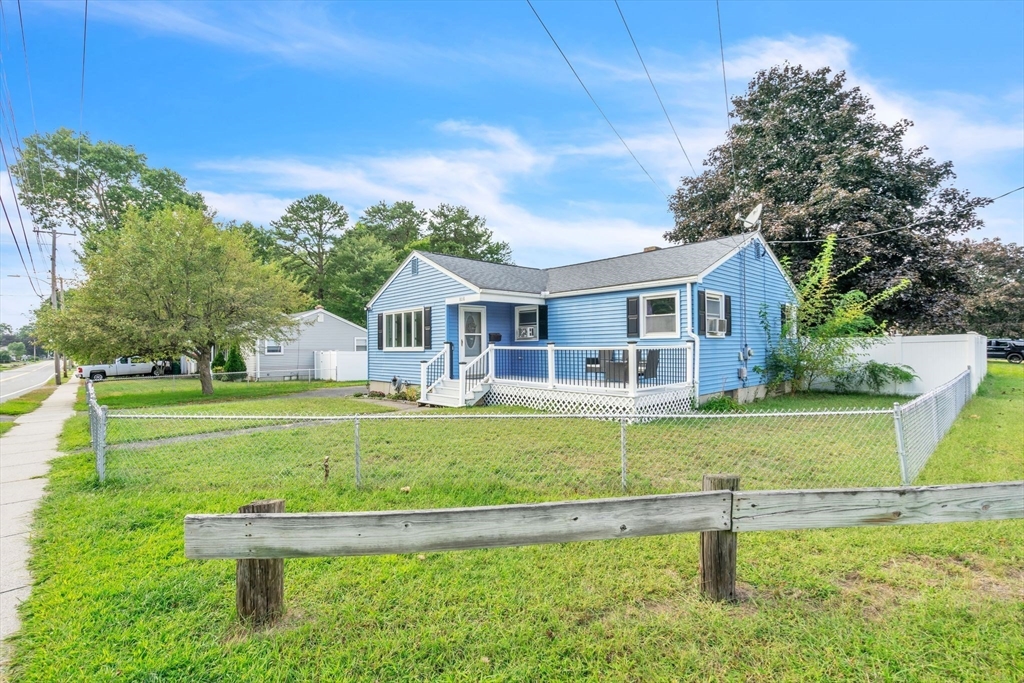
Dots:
pixel 752 219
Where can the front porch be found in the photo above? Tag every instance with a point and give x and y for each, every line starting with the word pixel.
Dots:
pixel 627 379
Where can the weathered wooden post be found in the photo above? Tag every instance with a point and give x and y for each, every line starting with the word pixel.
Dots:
pixel 718 549
pixel 259 584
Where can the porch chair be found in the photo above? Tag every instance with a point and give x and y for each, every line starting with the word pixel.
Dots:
pixel 649 368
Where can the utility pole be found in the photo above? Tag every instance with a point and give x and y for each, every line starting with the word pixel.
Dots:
pixel 53 298
pixel 53 292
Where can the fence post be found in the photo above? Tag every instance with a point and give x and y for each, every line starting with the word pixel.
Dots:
pixel 359 471
pixel 718 549
pixel 101 444
pixel 462 384
pixel 259 584
pixel 901 449
pixel 622 447
pixel 631 367
pixel 551 365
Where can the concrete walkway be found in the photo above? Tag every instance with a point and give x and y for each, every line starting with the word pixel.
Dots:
pixel 25 454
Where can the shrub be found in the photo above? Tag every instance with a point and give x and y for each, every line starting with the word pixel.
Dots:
pixel 5 357
pixel 218 362
pixel 721 404
pixel 235 365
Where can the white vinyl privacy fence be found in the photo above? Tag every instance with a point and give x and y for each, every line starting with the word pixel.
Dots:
pixel 522 456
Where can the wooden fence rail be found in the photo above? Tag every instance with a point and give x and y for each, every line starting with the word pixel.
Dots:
pixel 272 536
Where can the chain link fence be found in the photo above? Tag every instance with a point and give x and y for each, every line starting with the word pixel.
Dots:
pixel 921 424
pixel 318 462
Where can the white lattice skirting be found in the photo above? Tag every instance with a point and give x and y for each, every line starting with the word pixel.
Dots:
pixel 670 402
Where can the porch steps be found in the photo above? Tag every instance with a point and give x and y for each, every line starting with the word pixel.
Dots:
pixel 447 394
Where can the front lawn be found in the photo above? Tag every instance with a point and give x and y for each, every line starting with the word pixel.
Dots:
pixel 115 599
pixel 170 391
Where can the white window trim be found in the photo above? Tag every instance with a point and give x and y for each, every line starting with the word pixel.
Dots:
pixel 355 343
pixel 267 344
pixel 399 349
pixel 671 293
pixel 515 334
pixel 721 298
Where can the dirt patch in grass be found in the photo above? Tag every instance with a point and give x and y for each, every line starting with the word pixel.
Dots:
pixel 977 574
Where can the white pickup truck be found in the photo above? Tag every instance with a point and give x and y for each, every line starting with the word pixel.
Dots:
pixel 122 367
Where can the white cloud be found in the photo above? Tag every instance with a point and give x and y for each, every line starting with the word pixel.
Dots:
pixel 480 177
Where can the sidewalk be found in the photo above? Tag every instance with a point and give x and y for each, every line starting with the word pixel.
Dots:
pixel 25 452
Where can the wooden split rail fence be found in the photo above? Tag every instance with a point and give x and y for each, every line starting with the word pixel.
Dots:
pixel 262 534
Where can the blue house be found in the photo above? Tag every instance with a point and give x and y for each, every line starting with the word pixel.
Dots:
pixel 641 333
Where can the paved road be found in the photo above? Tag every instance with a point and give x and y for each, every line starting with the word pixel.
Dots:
pixel 17 381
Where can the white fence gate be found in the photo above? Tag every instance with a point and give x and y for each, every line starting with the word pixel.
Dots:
pixel 340 366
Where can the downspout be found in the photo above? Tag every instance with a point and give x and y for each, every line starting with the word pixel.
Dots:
pixel 696 341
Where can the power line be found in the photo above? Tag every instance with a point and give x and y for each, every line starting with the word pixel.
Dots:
pixel 882 232
pixel 81 98
pixel 18 246
pixel 10 179
pixel 31 100
pixel 651 80
pixel 586 90
pixel 725 88
pixel 1007 193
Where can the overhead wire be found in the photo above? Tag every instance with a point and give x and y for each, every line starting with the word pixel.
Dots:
pixel 17 246
pixel 882 232
pixel 594 101
pixel 31 99
pixel 81 97
pixel 654 88
pixel 725 88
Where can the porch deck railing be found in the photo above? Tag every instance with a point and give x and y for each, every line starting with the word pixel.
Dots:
pixel 626 370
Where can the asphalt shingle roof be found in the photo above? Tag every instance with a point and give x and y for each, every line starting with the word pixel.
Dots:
pixel 685 260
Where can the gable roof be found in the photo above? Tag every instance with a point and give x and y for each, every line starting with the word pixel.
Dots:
pixel 306 314
pixel 668 263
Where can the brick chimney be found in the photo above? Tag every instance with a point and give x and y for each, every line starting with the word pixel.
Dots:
pixel 647 249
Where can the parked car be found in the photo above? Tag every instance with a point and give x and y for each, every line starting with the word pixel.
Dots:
pixel 1010 349
pixel 122 367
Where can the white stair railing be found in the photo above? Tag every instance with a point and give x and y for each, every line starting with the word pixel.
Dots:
pixel 474 374
pixel 434 371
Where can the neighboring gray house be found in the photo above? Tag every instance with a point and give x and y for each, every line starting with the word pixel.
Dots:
pixel 319 330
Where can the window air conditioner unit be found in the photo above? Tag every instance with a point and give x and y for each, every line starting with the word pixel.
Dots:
pixel 717 327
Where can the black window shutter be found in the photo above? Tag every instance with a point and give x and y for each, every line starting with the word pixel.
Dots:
pixel 728 315
pixel 702 314
pixel 542 322
pixel 633 316
pixel 427 328
pixel 380 331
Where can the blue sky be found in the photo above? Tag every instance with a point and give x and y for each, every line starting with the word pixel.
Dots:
pixel 258 104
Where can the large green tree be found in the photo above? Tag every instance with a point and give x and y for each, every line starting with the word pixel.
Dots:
pixel 395 225
pixel 811 150
pixel 995 304
pixel 171 284
pixel 361 265
pixel 66 180
pixel 307 235
pixel 453 230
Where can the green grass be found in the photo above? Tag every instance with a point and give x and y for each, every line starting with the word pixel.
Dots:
pixel 27 402
pixel 115 599
pixel 149 393
pixel 6 427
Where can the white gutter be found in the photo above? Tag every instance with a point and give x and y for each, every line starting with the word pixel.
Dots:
pixel 696 341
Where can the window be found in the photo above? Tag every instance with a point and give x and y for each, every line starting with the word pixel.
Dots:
pixel 714 306
pixel 403 330
pixel 660 315
pixel 527 320
pixel 273 348
pixel 360 343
